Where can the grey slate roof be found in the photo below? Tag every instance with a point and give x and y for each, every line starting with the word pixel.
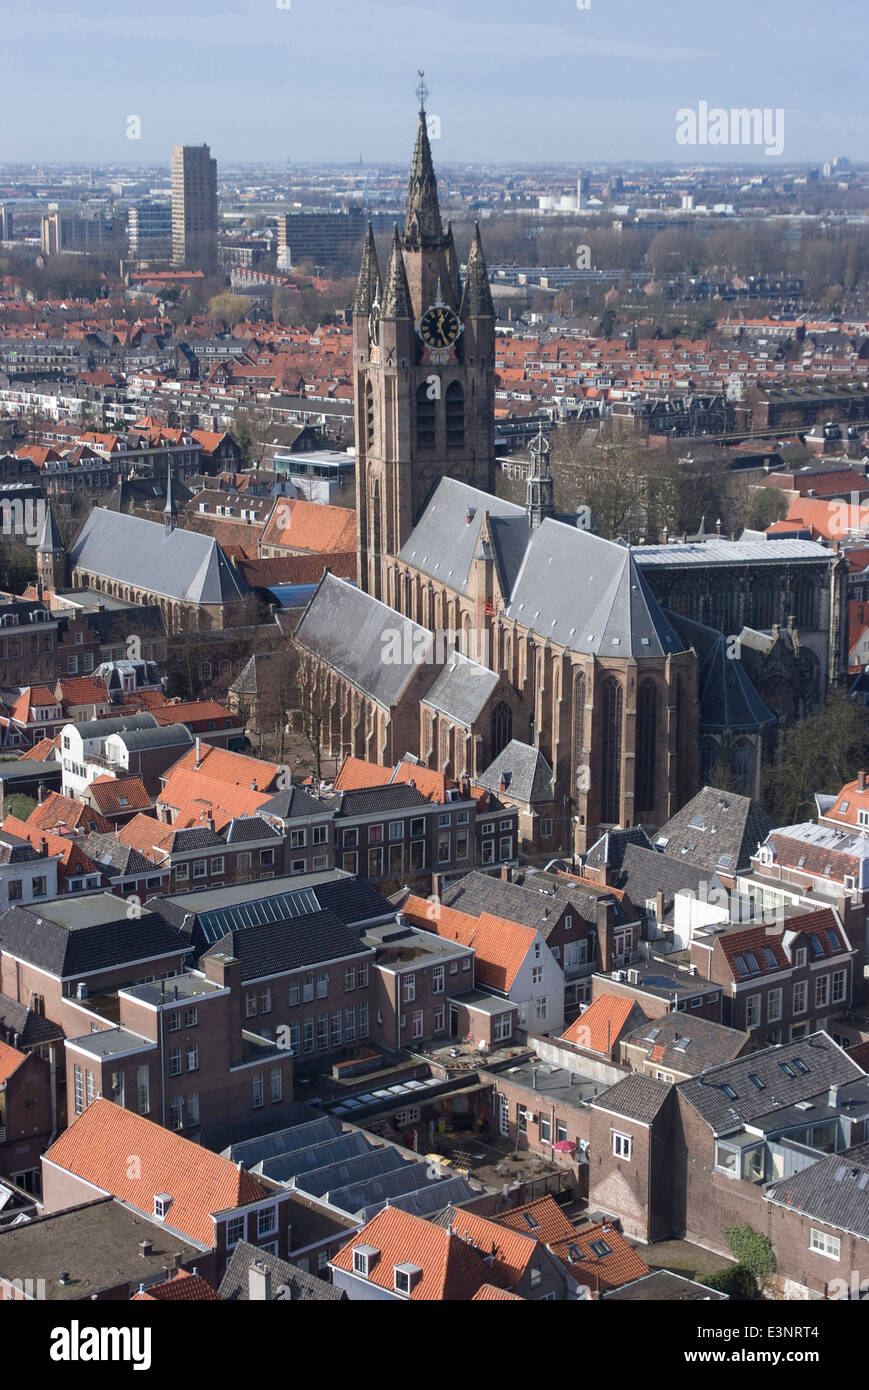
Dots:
pixel 637 1097
pixel 294 803
pixel 276 947
pixel 291 1282
pixel 645 873
pixel 524 903
pixel 248 681
pixel 609 850
pixel 69 948
pixel 365 801
pixel 461 689
pixel 244 828
pixel 119 724
pixel 661 1286
pixel 714 825
pixel 825 1064
pixel 179 564
pixel 443 543
pixel 355 633
pixel 728 700
pixel 106 849
pixel 701 1044
pixel 169 736
pixel 32 1027
pixel 835 1190
pixel 527 773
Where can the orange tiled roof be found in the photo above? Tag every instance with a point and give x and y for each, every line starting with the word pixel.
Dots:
pixel 600 1272
pixel 81 690
pixel 64 811
pixel 223 766
pixel 195 793
pixel 10 1060
pixel 452 1270
pixel 513 1249
pixel 357 774
pixel 500 946
pixel 43 751
pixel 97 1146
pixel 550 1222
pixel 119 794
pixel 310 526
pixel 180 1287
pixel 600 1025
pixel 192 712
pixel 488 1293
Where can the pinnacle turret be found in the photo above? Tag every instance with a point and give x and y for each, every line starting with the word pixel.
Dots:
pixel 477 297
pixel 397 302
pixel 369 277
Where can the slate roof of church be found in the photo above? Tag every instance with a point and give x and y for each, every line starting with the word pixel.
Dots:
pixel 461 689
pixel 180 564
pixel 353 633
pixel 528 774
pixel 565 584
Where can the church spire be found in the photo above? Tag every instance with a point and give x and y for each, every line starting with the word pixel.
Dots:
pixel 423 229
pixel 541 501
pixel 369 277
pixel 477 298
pixel 396 300
pixel 51 540
pixel 170 511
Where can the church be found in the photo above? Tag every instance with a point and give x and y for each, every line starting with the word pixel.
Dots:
pixel 562 643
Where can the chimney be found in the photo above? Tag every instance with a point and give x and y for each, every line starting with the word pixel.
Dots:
pixel 604 922
pixel 40 792
pixel 198 760
pixel 659 905
pixel 506 873
pixel 145 1248
pixel 861 781
pixel 259 1284
pixel 833 1097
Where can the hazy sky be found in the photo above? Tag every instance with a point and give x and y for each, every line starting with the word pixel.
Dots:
pixel 526 80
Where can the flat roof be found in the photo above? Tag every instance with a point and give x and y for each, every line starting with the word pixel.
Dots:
pixel 87 911
pixel 205 900
pixel 96 1244
pixel 571 1088
pixel 178 988
pixel 111 1042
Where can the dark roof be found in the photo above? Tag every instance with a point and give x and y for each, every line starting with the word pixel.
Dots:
pixel 728 700
pixel 834 1190
pixel 461 689
pixel 370 801
pixel 32 1027
pixel 824 1061
pixel 686 1042
pixel 637 1097
pixel 713 826
pixel 526 773
pixel 524 903
pixel 294 803
pixel 373 647
pixel 287 1280
pixel 85 939
pixel 645 873
pixel 276 947
pixel 661 1286
pixel 107 850
pixel 609 850
pixel 244 828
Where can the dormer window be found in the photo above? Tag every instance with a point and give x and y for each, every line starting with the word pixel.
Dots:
pixel 364 1257
pixel 162 1203
pixel 404 1277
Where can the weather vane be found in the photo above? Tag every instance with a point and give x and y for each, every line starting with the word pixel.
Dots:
pixel 422 89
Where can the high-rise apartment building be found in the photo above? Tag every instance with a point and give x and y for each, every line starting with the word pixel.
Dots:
pixel 6 233
pixel 194 206
pixel 149 231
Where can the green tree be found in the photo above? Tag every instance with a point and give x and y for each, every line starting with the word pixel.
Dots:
pixel 766 505
pixel 753 1251
pixel 736 1281
pixel 820 754
pixel 18 805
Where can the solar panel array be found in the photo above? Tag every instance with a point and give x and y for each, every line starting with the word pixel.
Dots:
pixel 217 923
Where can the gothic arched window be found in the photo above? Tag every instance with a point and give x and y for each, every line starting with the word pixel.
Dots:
pixel 683 600
pixel 765 606
pixel 708 758
pixel 580 771
pixel 740 763
pixel 804 605
pixel 502 728
pixel 369 416
pixel 455 411
pixel 647 725
pixel 425 418
pixel 611 752
pixel 723 608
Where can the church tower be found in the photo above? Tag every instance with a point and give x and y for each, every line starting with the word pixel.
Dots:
pixel 51 558
pixel 424 368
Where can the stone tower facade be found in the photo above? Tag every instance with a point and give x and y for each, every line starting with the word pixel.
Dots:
pixel 52 564
pixel 424 367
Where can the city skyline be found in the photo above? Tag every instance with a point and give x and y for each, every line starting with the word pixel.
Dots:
pixel 597 85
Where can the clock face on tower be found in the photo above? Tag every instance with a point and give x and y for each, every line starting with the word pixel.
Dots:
pixel 440 327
